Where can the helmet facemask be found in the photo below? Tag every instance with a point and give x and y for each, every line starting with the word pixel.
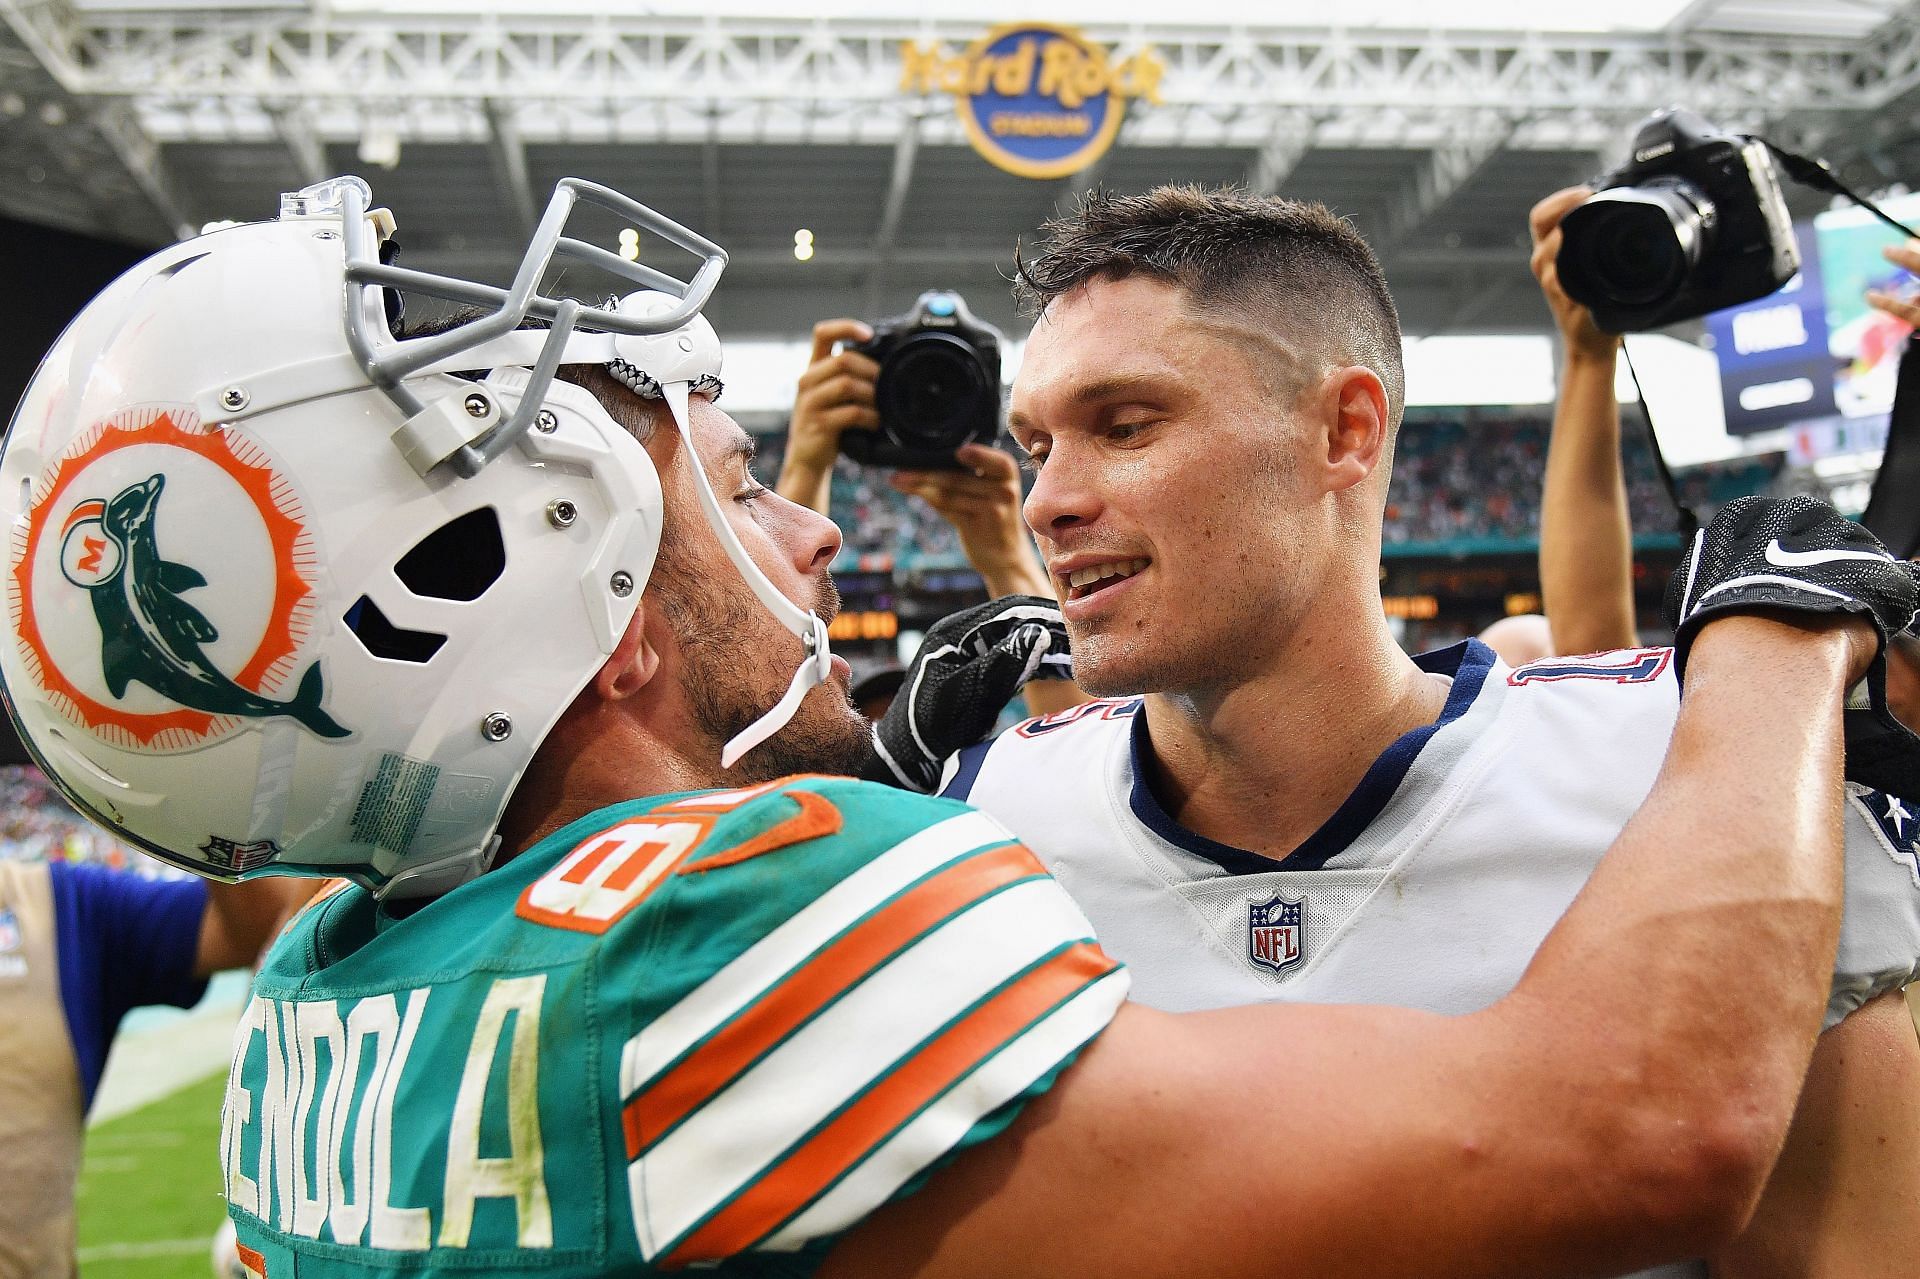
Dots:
pixel 364 450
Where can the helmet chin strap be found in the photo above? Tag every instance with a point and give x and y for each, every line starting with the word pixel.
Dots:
pixel 668 364
pixel 812 632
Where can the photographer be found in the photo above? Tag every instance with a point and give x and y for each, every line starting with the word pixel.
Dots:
pixel 982 503
pixel 1586 539
pixel 1586 542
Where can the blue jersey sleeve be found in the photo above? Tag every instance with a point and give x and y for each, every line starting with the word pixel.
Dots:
pixel 123 942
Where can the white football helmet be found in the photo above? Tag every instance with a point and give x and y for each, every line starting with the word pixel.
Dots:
pixel 287 594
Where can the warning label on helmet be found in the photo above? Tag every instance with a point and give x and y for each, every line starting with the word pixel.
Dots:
pixel 393 801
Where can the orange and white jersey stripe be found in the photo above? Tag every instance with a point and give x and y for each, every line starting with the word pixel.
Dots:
pixel 802 1085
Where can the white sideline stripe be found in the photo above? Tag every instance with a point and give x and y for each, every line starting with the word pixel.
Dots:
pixel 1770 579
pixel 201 1244
pixel 769 960
pixel 855 1043
pixel 940 1128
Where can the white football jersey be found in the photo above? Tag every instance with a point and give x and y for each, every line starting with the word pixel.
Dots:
pixel 1434 883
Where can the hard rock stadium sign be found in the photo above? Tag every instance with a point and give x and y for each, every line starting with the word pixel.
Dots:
pixel 1036 100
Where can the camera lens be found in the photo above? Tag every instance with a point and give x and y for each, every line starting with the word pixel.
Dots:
pixel 931 391
pixel 1634 246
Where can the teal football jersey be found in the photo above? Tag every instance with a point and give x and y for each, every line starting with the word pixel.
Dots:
pixel 712 1029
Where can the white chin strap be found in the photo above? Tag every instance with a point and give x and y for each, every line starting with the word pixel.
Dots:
pixel 672 361
pixel 812 632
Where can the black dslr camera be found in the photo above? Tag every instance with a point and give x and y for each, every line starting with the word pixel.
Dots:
pixel 1693 223
pixel 939 386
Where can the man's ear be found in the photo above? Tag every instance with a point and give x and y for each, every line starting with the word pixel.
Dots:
pixel 636 658
pixel 1356 425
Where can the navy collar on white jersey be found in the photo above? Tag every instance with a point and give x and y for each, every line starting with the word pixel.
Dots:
pixel 1467 662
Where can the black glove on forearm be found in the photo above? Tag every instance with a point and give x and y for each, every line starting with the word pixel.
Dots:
pixel 971 665
pixel 1800 555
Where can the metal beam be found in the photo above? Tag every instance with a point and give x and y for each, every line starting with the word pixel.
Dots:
pixel 509 158
pixel 1895 49
pixel 296 130
pixel 1075 185
pixel 632 75
pixel 1281 154
pixel 710 203
pixel 1442 175
pixel 1693 15
pixel 39 26
pixel 906 148
pixel 120 128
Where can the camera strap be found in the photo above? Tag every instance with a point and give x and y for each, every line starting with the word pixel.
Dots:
pixel 1893 512
pixel 1819 175
pixel 1688 522
pixel 1893 508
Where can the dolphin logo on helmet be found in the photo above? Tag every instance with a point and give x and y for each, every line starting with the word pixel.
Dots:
pixel 148 633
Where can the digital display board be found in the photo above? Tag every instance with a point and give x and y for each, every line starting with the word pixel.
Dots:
pixel 1815 350
pixel 1865 344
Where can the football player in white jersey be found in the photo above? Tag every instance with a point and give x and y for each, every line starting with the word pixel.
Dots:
pixel 1295 810
pixel 786 1028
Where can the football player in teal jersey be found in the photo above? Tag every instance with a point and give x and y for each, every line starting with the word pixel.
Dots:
pixel 605 991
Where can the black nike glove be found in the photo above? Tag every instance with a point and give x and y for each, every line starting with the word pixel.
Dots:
pixel 968 668
pixel 1800 555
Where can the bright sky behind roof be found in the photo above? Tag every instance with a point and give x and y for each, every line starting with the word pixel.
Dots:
pixel 1419 15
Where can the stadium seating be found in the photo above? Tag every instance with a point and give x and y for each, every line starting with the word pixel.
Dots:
pixel 1460 487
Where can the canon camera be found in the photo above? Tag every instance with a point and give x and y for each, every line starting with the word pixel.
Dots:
pixel 1694 222
pixel 938 388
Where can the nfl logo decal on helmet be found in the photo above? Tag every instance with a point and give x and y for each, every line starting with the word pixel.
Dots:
pixel 1276 932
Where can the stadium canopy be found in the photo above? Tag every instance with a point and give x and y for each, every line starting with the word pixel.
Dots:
pixel 751 122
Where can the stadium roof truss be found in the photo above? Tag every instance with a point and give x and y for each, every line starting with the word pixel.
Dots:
pixel 140 122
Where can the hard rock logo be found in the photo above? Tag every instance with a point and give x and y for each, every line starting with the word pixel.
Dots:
pixel 1036 100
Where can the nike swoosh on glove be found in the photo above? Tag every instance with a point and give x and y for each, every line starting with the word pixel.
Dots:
pixel 969 667
pixel 1801 555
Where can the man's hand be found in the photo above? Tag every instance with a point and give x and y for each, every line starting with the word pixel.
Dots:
pixel 1577 329
pixel 1900 308
pixel 971 665
pixel 835 395
pixel 1798 556
pixel 982 503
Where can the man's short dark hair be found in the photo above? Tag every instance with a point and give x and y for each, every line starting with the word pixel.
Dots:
pixel 1231 250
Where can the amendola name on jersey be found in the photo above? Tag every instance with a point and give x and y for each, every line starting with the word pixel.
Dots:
pixel 709 1028
pixel 1436 880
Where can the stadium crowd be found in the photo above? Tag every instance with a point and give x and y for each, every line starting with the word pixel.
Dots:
pixel 37 824
pixel 1469 481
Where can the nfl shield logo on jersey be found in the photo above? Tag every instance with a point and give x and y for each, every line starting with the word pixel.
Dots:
pixel 1276 932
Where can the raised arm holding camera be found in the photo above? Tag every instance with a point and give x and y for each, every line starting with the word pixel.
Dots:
pixel 835 395
pixel 1828 1206
pixel 1694 222
pixel 1586 537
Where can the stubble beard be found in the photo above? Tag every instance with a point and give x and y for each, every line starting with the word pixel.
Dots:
pixel 731 681
pixel 1126 661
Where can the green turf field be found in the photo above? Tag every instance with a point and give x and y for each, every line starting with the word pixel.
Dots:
pixel 150 1189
